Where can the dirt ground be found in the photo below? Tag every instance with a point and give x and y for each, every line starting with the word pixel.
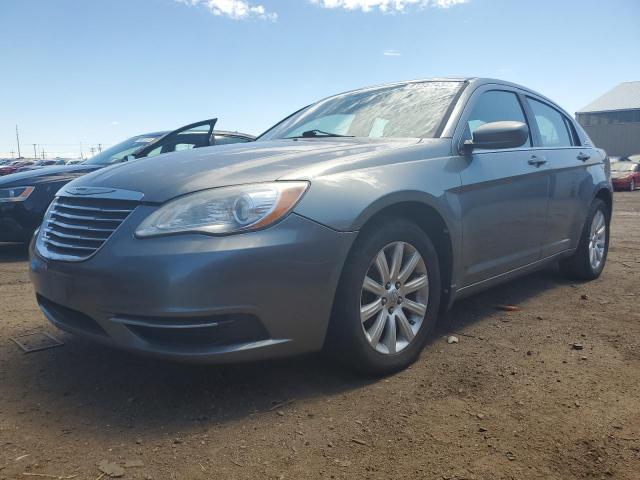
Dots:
pixel 513 399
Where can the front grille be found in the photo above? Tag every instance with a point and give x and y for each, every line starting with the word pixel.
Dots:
pixel 75 228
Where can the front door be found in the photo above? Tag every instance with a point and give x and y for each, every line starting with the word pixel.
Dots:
pixel 504 194
pixel 195 135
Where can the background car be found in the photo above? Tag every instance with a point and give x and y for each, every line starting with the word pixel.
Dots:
pixel 14 166
pixel 625 175
pixel 25 196
pixel 340 227
pixel 41 164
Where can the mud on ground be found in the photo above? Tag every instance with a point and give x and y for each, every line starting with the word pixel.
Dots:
pixel 511 400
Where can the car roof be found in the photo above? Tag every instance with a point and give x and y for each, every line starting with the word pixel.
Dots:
pixel 475 81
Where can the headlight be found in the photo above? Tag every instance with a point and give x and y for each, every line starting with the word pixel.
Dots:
pixel 15 194
pixel 221 211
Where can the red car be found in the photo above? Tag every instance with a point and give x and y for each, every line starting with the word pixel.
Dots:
pixel 14 166
pixel 625 175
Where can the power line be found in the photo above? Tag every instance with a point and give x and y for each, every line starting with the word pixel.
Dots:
pixel 18 140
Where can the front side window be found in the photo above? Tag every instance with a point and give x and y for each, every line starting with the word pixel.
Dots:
pixel 195 137
pixel 495 106
pixel 551 125
pixel 119 152
pixel 413 110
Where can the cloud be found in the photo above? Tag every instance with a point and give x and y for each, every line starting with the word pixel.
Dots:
pixel 390 52
pixel 386 6
pixel 115 122
pixel 234 9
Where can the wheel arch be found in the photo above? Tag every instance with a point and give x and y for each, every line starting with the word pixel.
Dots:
pixel 421 209
pixel 604 193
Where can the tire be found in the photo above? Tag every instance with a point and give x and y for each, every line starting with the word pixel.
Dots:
pixel 632 185
pixel 580 266
pixel 347 340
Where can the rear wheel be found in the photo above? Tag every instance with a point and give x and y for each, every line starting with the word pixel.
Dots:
pixel 387 300
pixel 589 259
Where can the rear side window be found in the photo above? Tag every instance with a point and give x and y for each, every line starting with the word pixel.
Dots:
pixel 575 139
pixel 495 106
pixel 551 125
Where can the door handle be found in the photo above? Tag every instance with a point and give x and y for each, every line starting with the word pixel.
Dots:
pixel 537 161
pixel 583 156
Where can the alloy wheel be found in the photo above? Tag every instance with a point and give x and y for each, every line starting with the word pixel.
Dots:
pixel 597 239
pixel 394 298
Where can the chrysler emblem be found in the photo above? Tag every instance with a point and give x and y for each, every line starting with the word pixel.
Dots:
pixel 89 190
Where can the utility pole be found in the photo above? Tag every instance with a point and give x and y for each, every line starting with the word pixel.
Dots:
pixel 13 152
pixel 92 150
pixel 35 154
pixel 81 156
pixel 100 147
pixel 18 140
pixel 43 153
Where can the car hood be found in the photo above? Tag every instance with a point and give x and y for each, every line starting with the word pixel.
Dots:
pixel 46 174
pixel 170 175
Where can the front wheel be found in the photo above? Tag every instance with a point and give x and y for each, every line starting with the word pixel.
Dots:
pixel 590 257
pixel 387 300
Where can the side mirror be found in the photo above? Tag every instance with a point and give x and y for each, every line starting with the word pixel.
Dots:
pixel 497 135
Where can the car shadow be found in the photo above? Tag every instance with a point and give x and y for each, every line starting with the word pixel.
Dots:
pixel 124 391
pixel 111 387
pixel 13 252
pixel 478 307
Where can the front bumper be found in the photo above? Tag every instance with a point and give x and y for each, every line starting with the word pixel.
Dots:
pixel 200 298
pixel 18 221
pixel 621 183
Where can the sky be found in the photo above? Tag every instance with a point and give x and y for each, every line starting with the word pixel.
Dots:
pixel 78 73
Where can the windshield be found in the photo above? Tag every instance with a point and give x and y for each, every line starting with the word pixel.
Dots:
pixel 623 167
pixel 118 152
pixel 413 110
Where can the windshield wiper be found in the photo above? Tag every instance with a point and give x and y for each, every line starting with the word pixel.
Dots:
pixel 319 133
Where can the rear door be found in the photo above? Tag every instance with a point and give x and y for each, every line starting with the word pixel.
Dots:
pixel 572 186
pixel 504 192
